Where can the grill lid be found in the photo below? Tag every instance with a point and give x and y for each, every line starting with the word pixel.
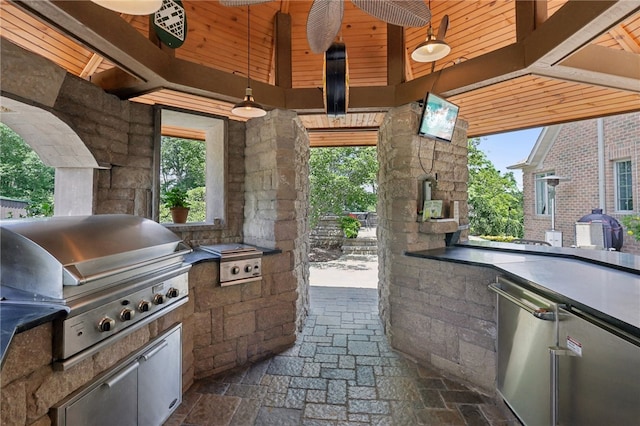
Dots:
pixel 42 255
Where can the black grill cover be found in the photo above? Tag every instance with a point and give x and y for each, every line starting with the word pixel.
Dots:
pixel 613 235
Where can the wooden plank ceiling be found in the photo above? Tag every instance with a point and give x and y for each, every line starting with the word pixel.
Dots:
pixel 513 65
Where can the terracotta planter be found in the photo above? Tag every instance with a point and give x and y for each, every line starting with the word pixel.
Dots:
pixel 179 214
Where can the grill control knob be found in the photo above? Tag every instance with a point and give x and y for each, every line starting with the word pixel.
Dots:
pixel 144 306
pixel 173 292
pixel 106 324
pixel 158 299
pixel 235 270
pixel 248 268
pixel 127 314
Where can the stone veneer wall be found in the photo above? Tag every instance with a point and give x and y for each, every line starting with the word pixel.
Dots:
pixel 441 314
pixel 277 202
pixel 30 386
pixel 243 323
pixel 119 134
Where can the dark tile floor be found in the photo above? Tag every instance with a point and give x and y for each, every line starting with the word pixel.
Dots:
pixel 341 371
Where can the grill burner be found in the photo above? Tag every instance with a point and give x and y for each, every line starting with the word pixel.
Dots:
pixel 239 263
pixel 114 273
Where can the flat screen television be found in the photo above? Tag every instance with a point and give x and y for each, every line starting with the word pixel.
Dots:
pixel 438 119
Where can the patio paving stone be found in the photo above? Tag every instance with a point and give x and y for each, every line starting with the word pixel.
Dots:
pixel 340 372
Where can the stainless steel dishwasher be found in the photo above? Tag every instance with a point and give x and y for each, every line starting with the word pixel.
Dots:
pixel 559 365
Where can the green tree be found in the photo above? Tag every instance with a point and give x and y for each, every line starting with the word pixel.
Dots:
pixel 23 175
pixel 342 179
pixel 182 163
pixel 183 166
pixel 495 202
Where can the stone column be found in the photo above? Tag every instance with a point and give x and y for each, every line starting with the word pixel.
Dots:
pixel 277 201
pixel 441 314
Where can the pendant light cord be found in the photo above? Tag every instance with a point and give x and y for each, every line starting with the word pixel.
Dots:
pixel 248 47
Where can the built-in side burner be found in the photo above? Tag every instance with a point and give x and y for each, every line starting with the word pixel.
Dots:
pixel 239 263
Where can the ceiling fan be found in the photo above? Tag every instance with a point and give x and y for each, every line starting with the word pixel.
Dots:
pixel 325 17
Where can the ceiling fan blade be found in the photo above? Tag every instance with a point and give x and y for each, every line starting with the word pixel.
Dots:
pixel 241 2
pixel 442 30
pixel 405 13
pixel 323 23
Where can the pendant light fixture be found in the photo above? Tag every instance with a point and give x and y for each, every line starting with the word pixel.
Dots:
pixel 248 108
pixel 131 7
pixel 433 48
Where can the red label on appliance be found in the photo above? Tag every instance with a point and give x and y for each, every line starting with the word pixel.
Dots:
pixel 574 346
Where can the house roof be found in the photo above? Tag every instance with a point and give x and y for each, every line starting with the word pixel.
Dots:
pixel 513 64
pixel 540 149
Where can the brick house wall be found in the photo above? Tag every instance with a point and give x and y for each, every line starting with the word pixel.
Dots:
pixel 572 151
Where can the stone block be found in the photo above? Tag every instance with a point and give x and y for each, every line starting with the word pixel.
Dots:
pixel 28 351
pixel 130 177
pixel 214 297
pixel 284 282
pixel 30 76
pixel 479 365
pixel 57 386
pixel 275 315
pixel 239 325
pixel 251 291
pixel 13 403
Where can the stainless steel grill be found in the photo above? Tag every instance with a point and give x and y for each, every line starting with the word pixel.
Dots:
pixel 115 273
pixel 239 263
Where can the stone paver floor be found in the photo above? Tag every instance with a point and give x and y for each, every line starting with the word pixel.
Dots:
pixel 341 371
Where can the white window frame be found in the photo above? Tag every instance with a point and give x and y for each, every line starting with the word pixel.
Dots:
pixel 215 129
pixel 539 183
pixel 616 183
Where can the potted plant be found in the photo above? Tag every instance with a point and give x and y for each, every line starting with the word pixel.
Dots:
pixel 176 200
pixel 350 226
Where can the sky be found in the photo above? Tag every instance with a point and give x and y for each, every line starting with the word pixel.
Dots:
pixel 506 149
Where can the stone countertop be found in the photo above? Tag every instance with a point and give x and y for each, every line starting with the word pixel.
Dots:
pixel 606 285
pixel 16 317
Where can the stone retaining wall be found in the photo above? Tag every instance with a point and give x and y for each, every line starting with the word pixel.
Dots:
pixel 327 233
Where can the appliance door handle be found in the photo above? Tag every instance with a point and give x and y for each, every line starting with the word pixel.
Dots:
pixel 148 355
pixel 540 313
pixel 121 375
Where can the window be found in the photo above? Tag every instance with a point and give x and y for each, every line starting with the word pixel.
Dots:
pixel 624 189
pixel 543 196
pixel 192 158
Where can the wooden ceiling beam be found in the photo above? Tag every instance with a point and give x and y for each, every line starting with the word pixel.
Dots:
pixel 282 43
pixel 395 55
pixel 568 29
pixel 614 68
pixel 624 39
pixel 571 27
pixel 530 14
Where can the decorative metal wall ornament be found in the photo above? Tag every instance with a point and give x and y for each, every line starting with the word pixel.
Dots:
pixel 170 23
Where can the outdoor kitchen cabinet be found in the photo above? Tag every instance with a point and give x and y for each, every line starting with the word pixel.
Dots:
pixel 558 365
pixel 143 391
